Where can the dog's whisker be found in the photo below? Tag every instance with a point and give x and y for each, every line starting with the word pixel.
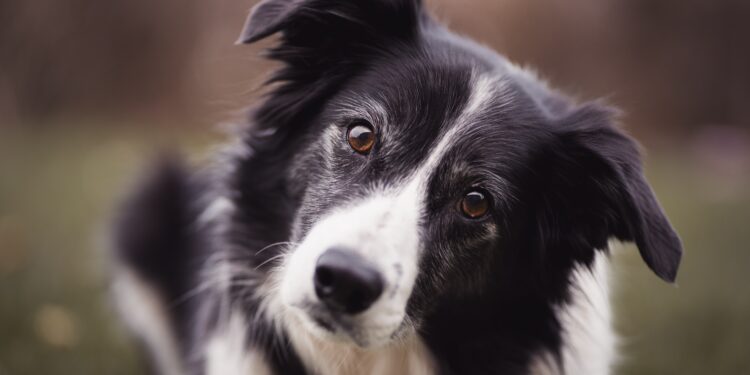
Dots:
pixel 288 243
pixel 202 287
pixel 269 260
pixel 248 284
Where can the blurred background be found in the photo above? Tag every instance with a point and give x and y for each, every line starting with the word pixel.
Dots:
pixel 90 90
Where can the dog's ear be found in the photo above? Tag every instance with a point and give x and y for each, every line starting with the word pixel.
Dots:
pixel 322 44
pixel 266 18
pixel 326 20
pixel 600 187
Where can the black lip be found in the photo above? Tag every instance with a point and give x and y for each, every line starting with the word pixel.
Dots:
pixel 325 318
pixel 328 326
pixel 320 317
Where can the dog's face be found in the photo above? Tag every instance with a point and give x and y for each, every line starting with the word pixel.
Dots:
pixel 403 172
pixel 428 170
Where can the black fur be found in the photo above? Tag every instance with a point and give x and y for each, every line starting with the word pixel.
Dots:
pixel 153 233
pixel 562 177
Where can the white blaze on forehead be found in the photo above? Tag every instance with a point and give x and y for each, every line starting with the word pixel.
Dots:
pixel 482 93
pixel 483 90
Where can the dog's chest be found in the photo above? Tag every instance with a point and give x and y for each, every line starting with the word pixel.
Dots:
pixel 227 353
pixel 408 356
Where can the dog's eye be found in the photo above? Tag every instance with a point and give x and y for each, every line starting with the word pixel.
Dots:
pixel 361 137
pixel 474 204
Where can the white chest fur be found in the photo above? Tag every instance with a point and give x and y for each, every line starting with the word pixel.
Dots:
pixel 227 353
pixel 407 356
pixel 588 340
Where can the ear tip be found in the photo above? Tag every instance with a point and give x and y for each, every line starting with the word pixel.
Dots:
pixel 247 37
pixel 252 33
pixel 264 19
pixel 241 40
pixel 668 266
pixel 669 276
pixel 662 252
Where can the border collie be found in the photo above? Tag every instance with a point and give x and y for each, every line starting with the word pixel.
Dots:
pixel 403 201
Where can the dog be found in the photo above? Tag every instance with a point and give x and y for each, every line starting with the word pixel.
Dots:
pixel 403 201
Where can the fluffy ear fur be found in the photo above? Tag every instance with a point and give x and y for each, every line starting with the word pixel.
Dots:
pixel 323 42
pixel 596 180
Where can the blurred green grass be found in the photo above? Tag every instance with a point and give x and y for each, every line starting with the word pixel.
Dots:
pixel 58 187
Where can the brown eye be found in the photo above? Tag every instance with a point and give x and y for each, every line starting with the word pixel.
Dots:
pixel 474 204
pixel 361 137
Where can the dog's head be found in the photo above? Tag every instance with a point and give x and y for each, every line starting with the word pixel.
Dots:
pixel 426 170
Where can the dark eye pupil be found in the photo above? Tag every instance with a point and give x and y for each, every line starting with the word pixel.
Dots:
pixel 474 198
pixel 474 204
pixel 362 134
pixel 361 138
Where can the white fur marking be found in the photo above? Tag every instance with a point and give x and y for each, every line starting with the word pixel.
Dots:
pixel 588 340
pixel 227 352
pixel 383 229
pixel 218 208
pixel 144 313
pixel 483 90
pixel 406 356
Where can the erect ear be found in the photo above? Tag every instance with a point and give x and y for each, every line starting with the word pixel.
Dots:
pixel 314 18
pixel 610 190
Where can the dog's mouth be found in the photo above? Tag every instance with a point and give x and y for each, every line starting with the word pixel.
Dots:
pixel 322 319
pixel 330 326
pixel 323 323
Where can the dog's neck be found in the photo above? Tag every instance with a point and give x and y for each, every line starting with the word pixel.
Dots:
pixel 589 341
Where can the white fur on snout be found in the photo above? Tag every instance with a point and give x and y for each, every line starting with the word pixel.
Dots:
pixel 384 230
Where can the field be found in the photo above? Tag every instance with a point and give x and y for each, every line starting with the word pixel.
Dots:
pixel 57 188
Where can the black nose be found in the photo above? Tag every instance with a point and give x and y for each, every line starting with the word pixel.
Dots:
pixel 345 282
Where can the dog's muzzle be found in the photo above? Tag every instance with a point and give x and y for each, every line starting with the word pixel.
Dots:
pixel 354 284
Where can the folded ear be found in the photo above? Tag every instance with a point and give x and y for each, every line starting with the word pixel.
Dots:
pixel 611 191
pixel 266 18
pixel 301 17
